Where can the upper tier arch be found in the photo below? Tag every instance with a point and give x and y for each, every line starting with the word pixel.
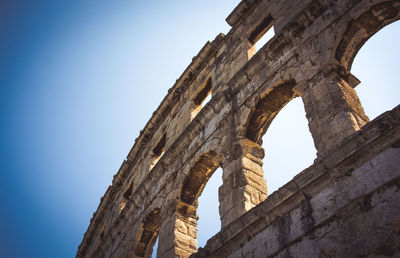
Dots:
pixel 310 55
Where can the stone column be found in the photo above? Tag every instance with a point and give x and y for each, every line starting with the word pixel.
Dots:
pixel 333 109
pixel 243 182
pixel 178 232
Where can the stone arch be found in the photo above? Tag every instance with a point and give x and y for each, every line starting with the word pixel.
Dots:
pixel 360 29
pixel 310 56
pixel 267 108
pixel 198 176
pixel 178 231
pixel 147 234
pixel 377 70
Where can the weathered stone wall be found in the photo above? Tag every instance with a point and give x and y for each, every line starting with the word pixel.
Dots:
pixel 345 205
pixel 351 184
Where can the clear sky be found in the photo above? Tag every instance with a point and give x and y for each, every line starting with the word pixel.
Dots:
pixel 80 79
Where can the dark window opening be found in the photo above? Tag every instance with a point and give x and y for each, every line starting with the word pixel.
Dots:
pixel 128 193
pixel 202 98
pixel 203 93
pixel 158 151
pixel 260 36
pixel 160 147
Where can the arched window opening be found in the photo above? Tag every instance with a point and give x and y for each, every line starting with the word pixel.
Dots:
pixel 197 188
pixel 283 134
pixel 267 108
pixel 288 145
pixel 198 177
pixel 376 65
pixel 209 223
pixel 148 234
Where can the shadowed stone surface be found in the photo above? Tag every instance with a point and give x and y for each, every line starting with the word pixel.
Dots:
pixel 346 204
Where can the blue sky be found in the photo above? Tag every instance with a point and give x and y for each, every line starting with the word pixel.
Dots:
pixel 80 79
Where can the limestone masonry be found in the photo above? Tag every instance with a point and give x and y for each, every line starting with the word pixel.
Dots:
pixel 346 204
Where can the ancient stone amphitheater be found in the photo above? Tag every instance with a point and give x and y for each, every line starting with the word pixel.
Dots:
pixel 346 204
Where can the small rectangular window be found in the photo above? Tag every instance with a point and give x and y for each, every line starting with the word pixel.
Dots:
pixel 128 193
pixel 122 205
pixel 260 36
pixel 158 151
pixel 202 98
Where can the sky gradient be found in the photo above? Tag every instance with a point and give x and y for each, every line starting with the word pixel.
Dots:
pixel 80 79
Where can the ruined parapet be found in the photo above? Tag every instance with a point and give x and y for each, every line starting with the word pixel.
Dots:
pixel 155 192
